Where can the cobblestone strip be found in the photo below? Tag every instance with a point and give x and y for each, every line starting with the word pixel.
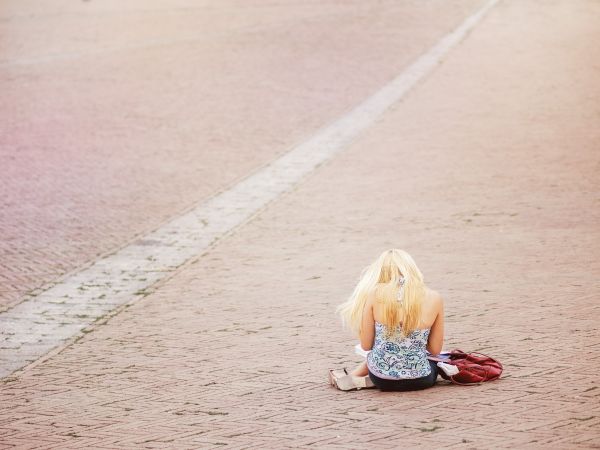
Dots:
pixel 42 322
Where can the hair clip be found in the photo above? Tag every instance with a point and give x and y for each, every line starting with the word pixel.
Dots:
pixel 401 290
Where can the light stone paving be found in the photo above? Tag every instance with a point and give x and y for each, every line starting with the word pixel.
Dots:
pixel 42 322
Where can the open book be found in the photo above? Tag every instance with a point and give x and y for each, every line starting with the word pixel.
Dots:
pixel 360 352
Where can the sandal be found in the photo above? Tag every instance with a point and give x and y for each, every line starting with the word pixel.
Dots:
pixel 343 381
pixel 336 374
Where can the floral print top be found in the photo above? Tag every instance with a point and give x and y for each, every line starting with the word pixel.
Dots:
pixel 398 357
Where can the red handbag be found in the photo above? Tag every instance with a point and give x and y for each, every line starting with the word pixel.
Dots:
pixel 473 368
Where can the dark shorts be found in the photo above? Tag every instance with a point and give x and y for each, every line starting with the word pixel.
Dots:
pixel 414 384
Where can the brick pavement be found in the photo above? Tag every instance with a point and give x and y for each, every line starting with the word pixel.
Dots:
pixel 116 117
pixel 487 178
pixel 44 321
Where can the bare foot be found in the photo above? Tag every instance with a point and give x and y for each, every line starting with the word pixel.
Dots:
pixel 361 370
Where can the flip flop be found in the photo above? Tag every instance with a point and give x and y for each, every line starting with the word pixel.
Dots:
pixel 335 374
pixel 343 381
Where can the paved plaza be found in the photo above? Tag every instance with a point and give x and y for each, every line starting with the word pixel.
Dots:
pixel 120 120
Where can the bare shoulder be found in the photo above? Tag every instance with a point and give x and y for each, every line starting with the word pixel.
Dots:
pixel 370 298
pixel 434 298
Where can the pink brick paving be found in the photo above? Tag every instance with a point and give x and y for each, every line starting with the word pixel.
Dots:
pixel 43 322
pixel 115 118
pixel 488 178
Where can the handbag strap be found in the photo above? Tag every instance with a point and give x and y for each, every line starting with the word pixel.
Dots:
pixel 458 352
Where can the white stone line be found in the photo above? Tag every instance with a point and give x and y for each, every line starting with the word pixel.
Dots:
pixel 41 323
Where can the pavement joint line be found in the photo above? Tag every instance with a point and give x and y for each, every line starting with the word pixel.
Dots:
pixel 105 287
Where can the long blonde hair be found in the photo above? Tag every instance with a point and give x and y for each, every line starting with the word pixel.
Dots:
pixel 397 283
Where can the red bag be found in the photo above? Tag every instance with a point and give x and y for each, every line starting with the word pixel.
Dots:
pixel 473 368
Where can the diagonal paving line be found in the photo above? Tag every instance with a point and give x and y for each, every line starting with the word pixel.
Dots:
pixel 40 323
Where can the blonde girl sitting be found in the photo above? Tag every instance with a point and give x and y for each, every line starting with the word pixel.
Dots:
pixel 398 320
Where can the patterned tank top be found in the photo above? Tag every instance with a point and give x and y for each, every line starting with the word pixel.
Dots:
pixel 399 357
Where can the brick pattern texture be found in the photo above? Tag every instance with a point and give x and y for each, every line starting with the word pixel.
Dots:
pixel 486 173
pixel 116 117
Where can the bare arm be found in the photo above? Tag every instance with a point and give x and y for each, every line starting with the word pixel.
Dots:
pixel 435 342
pixel 367 329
